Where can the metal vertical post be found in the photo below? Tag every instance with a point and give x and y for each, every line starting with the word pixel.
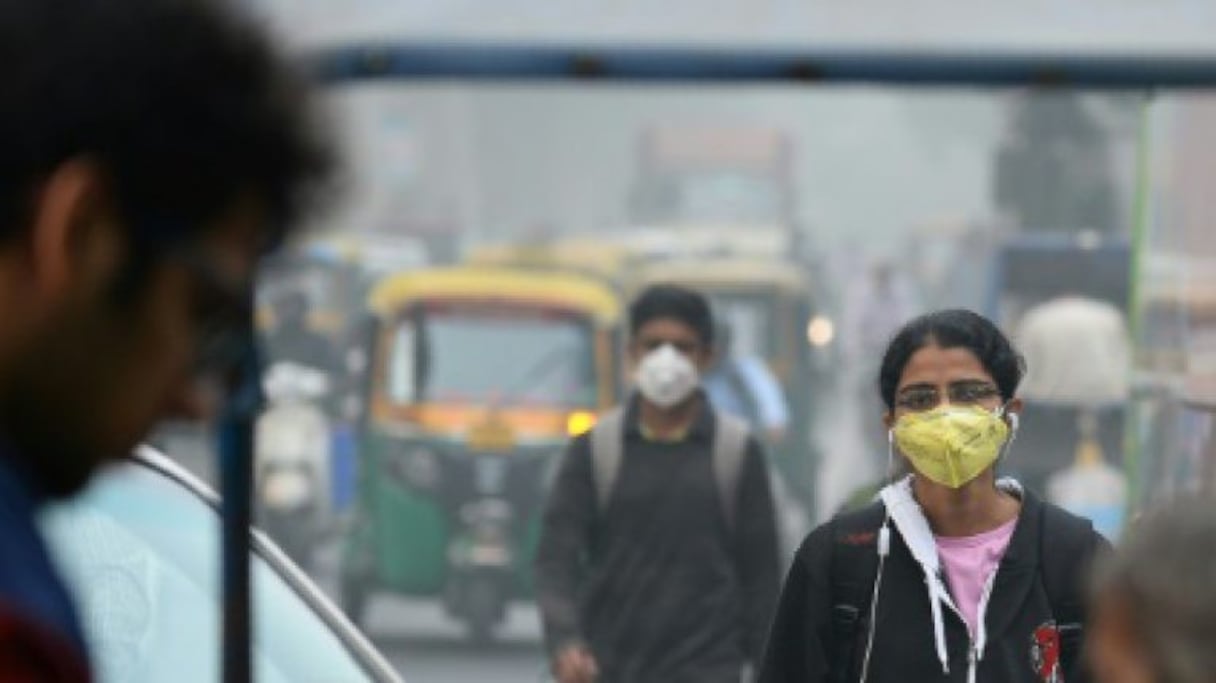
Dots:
pixel 236 449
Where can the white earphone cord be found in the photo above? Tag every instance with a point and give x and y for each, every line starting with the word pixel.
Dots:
pixel 884 549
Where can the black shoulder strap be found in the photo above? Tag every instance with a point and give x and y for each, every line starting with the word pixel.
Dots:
pixel 853 571
pixel 1065 552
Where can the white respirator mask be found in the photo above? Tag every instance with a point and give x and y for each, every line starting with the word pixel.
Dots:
pixel 666 377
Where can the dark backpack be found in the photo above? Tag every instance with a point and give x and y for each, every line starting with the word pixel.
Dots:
pixel 855 567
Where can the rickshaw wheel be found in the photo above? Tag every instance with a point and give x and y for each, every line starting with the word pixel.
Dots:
pixel 483 610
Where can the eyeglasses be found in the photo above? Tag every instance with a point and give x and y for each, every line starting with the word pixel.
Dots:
pixel 922 398
pixel 221 307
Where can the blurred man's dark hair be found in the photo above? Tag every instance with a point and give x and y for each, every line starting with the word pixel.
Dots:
pixel 183 106
pixel 675 303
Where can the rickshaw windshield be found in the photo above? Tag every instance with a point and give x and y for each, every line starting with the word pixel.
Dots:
pixel 463 354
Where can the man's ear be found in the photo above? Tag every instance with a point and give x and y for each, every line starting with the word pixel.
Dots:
pixel 65 240
pixel 888 420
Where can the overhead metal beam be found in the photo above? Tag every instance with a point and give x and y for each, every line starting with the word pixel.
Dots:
pixel 544 62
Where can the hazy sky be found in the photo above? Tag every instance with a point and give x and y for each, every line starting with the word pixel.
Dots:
pixel 1142 25
pixel 868 162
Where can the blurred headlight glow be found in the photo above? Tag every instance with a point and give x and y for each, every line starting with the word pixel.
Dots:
pixel 580 423
pixel 820 331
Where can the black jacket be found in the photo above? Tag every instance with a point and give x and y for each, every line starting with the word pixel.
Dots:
pixel 657 585
pixel 813 641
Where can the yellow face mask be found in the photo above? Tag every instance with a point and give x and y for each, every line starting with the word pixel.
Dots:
pixel 952 445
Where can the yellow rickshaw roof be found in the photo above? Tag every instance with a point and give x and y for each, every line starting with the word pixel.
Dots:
pixel 547 288
pixel 741 273
pixel 599 258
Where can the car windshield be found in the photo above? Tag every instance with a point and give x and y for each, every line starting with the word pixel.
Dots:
pixel 139 550
pixel 468 354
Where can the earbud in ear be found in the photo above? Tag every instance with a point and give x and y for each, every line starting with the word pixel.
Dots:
pixel 1014 421
pixel 891 436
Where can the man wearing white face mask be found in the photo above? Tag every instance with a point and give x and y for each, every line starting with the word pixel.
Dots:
pixel 658 559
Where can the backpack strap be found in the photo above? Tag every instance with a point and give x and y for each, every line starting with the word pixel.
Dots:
pixel 607 450
pixel 1066 544
pixel 853 570
pixel 729 452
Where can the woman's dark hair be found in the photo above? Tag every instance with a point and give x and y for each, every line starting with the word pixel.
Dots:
pixel 676 303
pixel 952 329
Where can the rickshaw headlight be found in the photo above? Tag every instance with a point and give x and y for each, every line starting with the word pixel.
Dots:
pixel 580 422
pixel 419 467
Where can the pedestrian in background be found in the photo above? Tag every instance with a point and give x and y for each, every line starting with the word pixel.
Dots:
pixel 1155 600
pixel 658 555
pixel 744 386
pixel 150 152
pixel 954 574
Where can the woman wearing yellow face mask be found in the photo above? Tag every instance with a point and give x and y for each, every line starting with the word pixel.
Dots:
pixel 954 574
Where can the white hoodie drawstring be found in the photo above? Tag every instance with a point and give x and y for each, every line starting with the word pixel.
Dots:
pixel 981 629
pixel 914 528
pixel 939 625
pixel 912 525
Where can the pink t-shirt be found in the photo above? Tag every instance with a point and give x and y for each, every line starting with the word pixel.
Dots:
pixel 969 562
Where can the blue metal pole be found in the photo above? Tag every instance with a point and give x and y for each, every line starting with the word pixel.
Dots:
pixel 236 449
pixel 734 64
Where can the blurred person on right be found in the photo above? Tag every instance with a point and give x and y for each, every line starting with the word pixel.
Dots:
pixel 1155 600
pixel 953 574
pixel 658 558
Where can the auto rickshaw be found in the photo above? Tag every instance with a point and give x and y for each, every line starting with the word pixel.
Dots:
pixel 478 379
pixel 774 315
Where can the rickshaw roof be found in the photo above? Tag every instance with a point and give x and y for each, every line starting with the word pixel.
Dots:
pixel 735 273
pixel 602 259
pixel 564 290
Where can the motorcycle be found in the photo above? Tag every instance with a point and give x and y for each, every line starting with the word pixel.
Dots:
pixel 292 459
